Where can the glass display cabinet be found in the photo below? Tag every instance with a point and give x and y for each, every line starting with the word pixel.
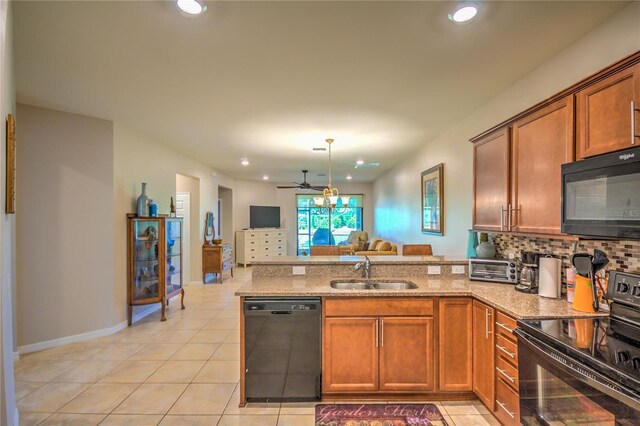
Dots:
pixel 154 261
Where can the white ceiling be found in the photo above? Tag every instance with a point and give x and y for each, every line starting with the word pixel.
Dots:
pixel 271 80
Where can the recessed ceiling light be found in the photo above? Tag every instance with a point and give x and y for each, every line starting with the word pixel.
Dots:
pixel 265 177
pixel 348 177
pixel 244 162
pixel 464 13
pixel 192 7
pixel 360 162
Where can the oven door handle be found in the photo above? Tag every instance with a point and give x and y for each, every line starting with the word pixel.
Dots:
pixel 579 370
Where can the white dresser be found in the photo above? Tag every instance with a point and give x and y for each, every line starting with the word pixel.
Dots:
pixel 254 243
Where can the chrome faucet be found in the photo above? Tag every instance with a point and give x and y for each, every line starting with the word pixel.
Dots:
pixel 366 267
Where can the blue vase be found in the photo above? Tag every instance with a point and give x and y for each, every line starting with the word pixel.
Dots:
pixel 472 244
pixel 142 202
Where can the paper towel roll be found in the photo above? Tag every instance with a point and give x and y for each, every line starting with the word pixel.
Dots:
pixel 550 277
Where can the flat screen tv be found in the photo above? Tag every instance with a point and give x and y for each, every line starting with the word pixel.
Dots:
pixel 264 217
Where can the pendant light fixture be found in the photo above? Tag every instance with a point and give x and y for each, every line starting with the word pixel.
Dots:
pixel 331 198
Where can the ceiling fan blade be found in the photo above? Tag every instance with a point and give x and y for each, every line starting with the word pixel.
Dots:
pixel 317 188
pixel 287 187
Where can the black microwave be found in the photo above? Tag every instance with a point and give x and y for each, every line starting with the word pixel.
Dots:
pixel 601 196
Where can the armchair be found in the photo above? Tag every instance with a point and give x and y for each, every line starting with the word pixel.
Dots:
pixel 355 242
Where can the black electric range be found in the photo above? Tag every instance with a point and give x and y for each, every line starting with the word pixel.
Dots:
pixel 580 370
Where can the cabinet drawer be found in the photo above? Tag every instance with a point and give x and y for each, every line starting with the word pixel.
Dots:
pixel 507 408
pixel 505 325
pixel 507 349
pixel 226 257
pixel 227 265
pixel 507 372
pixel 227 249
pixel 251 236
pixel 393 306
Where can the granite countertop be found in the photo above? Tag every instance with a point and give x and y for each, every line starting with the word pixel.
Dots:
pixel 500 296
pixel 347 260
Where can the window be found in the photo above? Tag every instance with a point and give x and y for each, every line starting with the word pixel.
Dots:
pixel 317 226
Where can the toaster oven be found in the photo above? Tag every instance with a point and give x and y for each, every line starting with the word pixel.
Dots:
pixel 500 270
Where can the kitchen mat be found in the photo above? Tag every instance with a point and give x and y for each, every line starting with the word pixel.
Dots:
pixel 378 415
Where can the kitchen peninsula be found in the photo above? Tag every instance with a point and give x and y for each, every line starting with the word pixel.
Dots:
pixel 447 338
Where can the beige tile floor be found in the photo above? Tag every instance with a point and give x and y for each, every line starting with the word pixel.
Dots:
pixel 183 371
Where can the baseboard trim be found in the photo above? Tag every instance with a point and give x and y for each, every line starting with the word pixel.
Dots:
pixel 48 344
pixel 195 283
pixel 16 356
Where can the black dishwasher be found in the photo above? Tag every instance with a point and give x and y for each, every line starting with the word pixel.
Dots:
pixel 282 349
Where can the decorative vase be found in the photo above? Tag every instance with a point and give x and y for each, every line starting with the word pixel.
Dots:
pixel 472 243
pixel 142 201
pixel 486 250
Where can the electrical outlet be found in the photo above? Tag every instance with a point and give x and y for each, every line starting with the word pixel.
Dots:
pixel 512 255
pixel 433 270
pixel 457 269
pixel 299 270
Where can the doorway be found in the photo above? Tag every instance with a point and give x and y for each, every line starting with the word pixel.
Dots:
pixel 183 210
pixel 225 214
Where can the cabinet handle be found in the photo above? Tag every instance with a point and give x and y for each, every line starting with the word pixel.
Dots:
pixel 382 332
pixel 633 123
pixel 504 373
pixel 376 333
pixel 510 330
pixel 504 407
pixel 503 211
pixel 503 349
pixel 509 217
pixel 487 314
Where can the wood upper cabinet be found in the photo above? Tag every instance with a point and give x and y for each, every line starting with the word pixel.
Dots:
pixel 604 114
pixel 491 180
pixel 455 317
pixel 406 354
pixel 350 355
pixel 541 142
pixel 483 353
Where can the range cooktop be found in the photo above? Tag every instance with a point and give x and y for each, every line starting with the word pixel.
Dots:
pixel 609 345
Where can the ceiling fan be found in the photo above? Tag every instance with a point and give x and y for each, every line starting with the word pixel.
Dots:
pixel 303 185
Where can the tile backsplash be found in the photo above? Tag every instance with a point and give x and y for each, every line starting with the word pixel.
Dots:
pixel 623 255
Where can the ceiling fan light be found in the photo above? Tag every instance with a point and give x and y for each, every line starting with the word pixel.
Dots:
pixel 345 200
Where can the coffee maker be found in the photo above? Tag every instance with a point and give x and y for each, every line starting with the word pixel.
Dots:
pixel 529 272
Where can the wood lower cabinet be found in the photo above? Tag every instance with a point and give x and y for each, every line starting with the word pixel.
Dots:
pixel 350 355
pixel 406 354
pixel 507 404
pixel 483 353
pixel 455 319
pixel 541 142
pixel 378 345
pixel 605 113
pixel 491 183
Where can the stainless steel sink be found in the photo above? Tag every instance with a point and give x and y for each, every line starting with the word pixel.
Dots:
pixel 372 285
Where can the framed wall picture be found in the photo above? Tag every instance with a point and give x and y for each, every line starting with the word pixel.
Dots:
pixel 433 200
pixel 10 201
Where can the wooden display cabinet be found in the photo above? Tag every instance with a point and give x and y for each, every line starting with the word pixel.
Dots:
pixel 154 264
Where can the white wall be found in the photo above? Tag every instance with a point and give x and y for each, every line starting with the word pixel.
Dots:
pixel 8 410
pixel 397 193
pixel 251 193
pixel 64 224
